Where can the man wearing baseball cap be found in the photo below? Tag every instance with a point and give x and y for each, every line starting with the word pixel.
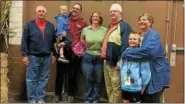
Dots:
pixel 115 42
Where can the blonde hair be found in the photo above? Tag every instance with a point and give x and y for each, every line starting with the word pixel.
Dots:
pixel 62 6
pixel 38 7
pixel 149 17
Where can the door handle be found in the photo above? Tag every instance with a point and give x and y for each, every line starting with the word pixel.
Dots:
pixel 180 49
pixel 173 55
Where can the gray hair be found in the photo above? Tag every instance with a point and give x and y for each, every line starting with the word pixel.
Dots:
pixel 42 7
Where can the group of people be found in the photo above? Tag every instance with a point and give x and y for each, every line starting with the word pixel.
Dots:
pixel 132 64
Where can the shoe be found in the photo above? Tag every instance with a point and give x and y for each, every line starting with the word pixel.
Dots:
pixel 32 101
pixel 70 99
pixel 40 101
pixel 95 101
pixel 63 59
pixel 57 98
pixel 87 101
pixel 65 97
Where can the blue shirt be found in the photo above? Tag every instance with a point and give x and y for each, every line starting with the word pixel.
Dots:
pixel 62 23
pixel 152 50
pixel 139 72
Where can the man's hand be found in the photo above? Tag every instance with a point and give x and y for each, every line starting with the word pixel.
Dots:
pixel 64 34
pixel 61 44
pixel 53 59
pixel 25 60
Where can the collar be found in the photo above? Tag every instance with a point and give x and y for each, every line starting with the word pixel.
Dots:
pixel 90 27
pixel 59 15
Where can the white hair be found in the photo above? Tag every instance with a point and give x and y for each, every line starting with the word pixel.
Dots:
pixel 116 7
pixel 39 6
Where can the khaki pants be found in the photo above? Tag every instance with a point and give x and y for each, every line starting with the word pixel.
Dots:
pixel 112 82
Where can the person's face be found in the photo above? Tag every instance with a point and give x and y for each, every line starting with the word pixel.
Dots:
pixel 41 12
pixel 63 11
pixel 114 15
pixel 76 8
pixel 144 23
pixel 134 40
pixel 95 18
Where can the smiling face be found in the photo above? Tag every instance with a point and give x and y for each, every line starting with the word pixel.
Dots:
pixel 134 40
pixel 63 10
pixel 145 22
pixel 115 13
pixel 40 12
pixel 95 18
pixel 77 8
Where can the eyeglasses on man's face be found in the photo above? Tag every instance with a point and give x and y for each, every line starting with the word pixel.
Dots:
pixel 75 8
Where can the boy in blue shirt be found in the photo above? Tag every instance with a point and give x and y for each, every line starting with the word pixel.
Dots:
pixel 135 75
pixel 63 34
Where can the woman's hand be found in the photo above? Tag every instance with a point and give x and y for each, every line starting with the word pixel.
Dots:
pixel 103 55
pixel 117 66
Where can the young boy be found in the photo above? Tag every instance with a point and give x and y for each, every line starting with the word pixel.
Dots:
pixel 135 74
pixel 63 34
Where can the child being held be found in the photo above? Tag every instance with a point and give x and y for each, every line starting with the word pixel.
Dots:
pixel 135 74
pixel 63 34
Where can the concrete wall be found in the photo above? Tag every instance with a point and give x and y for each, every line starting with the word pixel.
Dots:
pixel 16 22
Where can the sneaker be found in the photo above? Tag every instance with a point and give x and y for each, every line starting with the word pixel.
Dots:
pixel 57 98
pixel 95 101
pixel 70 99
pixel 63 59
pixel 88 101
pixel 32 101
pixel 40 101
pixel 65 97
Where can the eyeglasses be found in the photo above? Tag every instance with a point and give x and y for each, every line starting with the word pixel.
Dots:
pixel 41 11
pixel 76 8
pixel 96 16
pixel 113 11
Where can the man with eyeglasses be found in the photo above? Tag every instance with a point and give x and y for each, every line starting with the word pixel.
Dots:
pixel 36 48
pixel 115 42
pixel 76 24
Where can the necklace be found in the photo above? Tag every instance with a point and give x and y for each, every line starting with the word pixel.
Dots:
pixel 128 68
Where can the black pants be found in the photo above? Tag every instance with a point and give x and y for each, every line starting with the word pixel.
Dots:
pixel 70 70
pixel 74 68
pixel 151 98
pixel 60 72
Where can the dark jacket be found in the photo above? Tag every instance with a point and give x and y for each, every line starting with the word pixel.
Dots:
pixel 33 43
pixel 117 42
pixel 152 50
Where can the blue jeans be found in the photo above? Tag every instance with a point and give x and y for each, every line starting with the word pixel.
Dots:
pixel 37 75
pixel 92 66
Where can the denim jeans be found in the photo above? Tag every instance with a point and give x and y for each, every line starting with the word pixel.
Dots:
pixel 92 66
pixel 37 75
